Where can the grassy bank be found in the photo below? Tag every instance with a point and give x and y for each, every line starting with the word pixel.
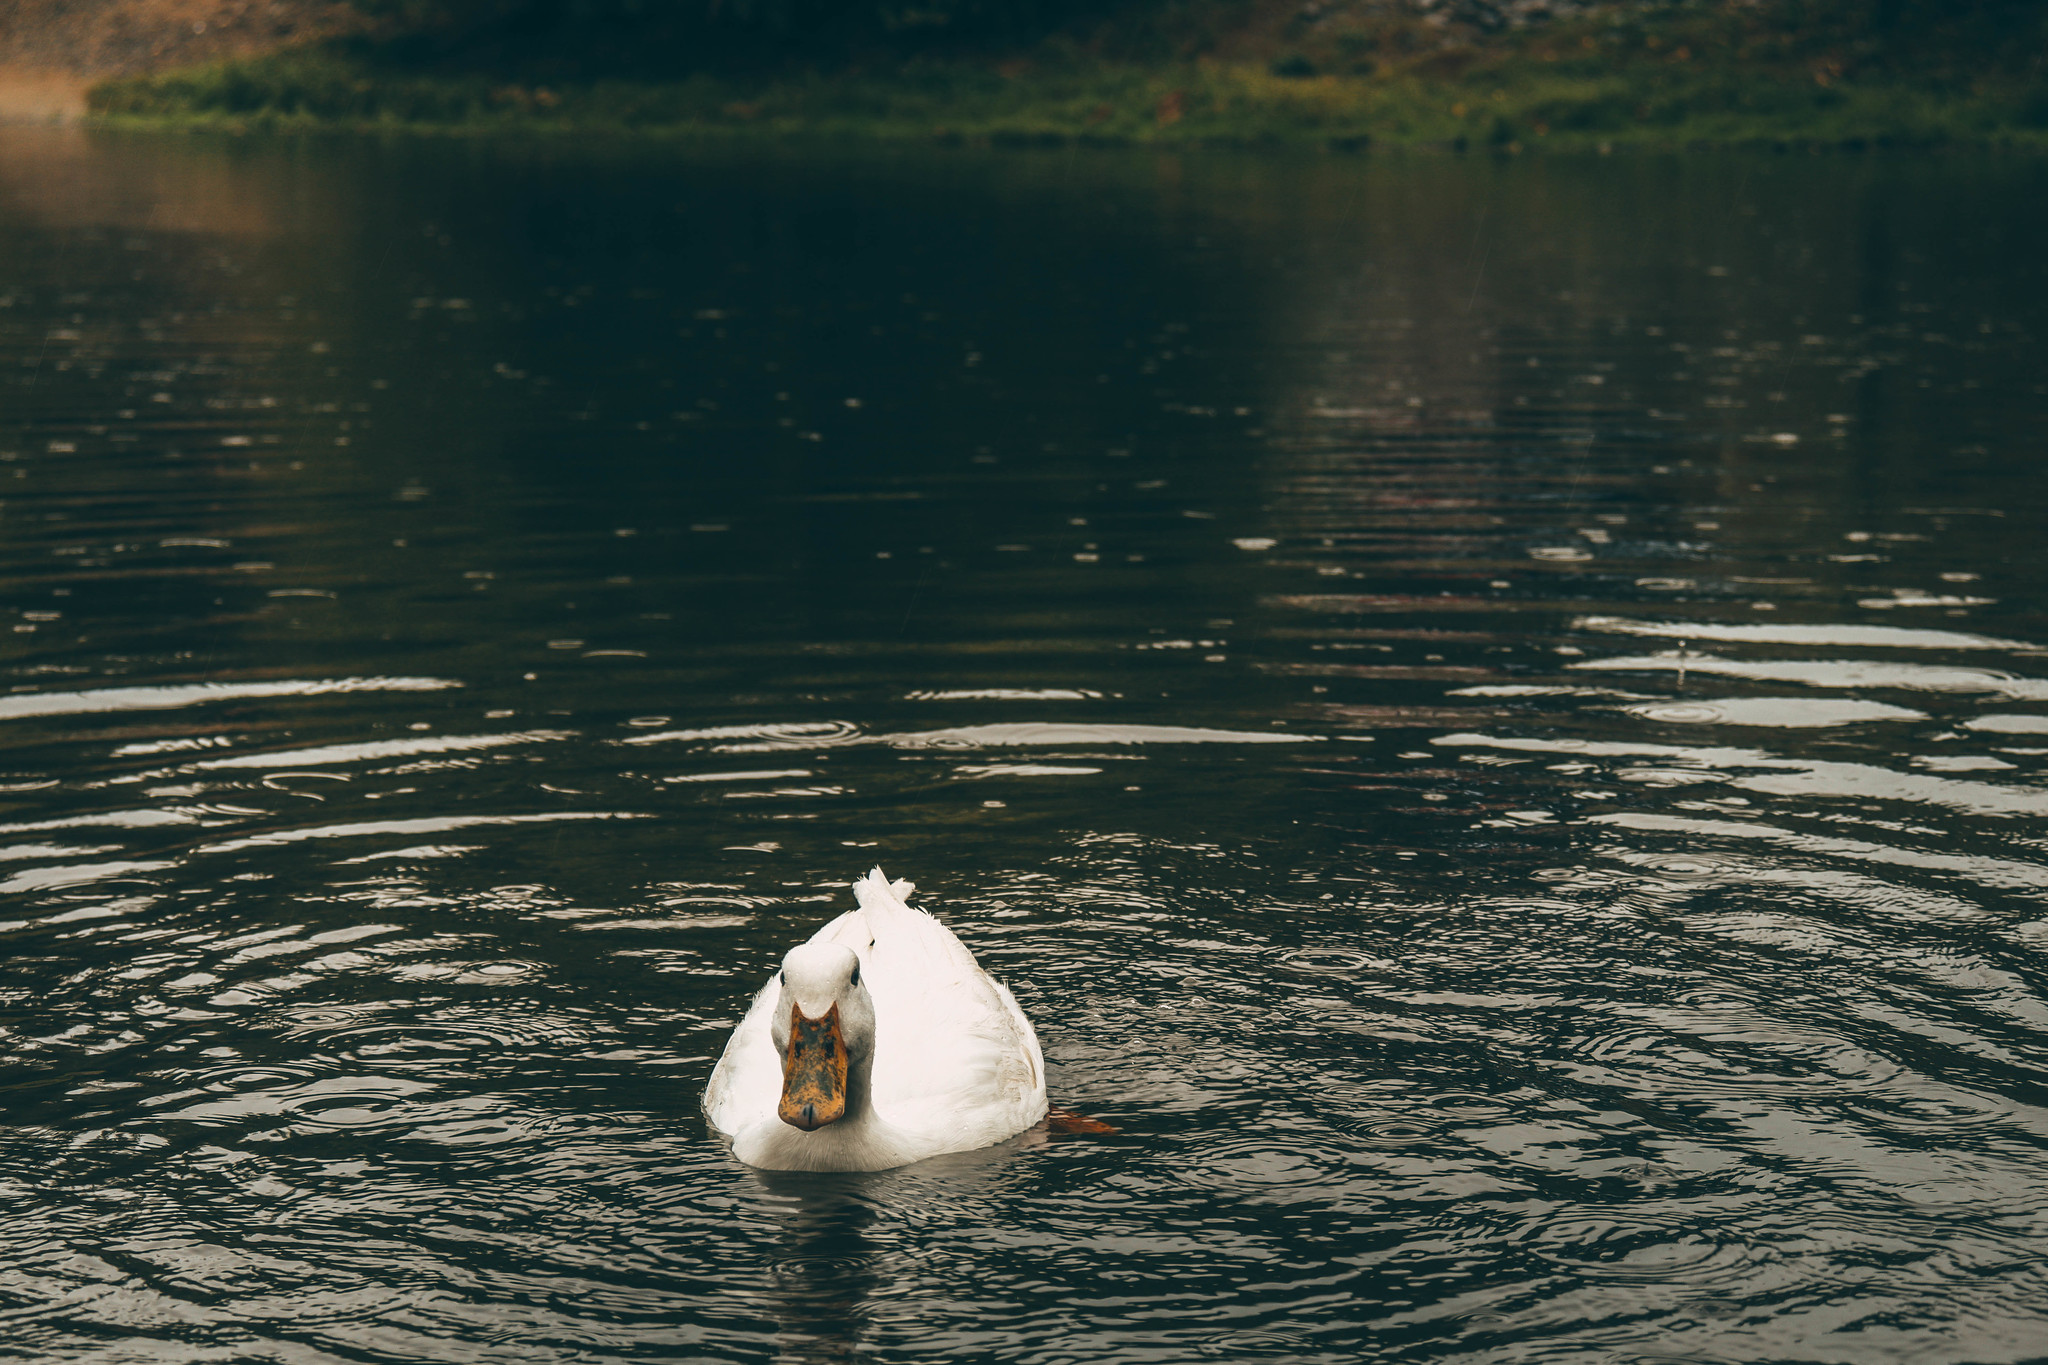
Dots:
pixel 1726 77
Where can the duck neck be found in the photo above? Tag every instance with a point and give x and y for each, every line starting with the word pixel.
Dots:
pixel 859 1140
pixel 860 1076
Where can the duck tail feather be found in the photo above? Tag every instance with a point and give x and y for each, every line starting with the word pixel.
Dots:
pixel 876 891
pixel 910 930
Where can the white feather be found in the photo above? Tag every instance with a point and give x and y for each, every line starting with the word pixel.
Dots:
pixel 956 1065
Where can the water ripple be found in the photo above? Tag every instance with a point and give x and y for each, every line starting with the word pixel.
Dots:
pixel 1474 815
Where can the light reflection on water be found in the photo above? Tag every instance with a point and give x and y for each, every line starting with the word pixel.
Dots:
pixel 1484 708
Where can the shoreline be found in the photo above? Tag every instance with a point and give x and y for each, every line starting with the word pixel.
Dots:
pixel 1504 110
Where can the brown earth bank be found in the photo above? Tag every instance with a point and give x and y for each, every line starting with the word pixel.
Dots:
pixel 31 96
pixel 97 38
pixel 52 51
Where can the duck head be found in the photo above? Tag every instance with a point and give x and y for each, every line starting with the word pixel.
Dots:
pixel 824 1027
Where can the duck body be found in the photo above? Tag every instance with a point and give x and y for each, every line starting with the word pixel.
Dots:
pixel 879 1042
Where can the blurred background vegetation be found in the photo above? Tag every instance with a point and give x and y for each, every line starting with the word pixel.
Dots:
pixel 1502 73
pixel 657 37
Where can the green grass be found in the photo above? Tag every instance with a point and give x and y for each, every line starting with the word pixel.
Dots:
pixel 1512 103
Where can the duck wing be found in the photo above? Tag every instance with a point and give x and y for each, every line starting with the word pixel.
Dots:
pixel 747 1082
pixel 954 1054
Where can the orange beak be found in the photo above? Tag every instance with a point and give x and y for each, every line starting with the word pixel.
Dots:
pixel 813 1071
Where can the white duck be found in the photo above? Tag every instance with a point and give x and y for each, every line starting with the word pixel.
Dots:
pixel 880 1042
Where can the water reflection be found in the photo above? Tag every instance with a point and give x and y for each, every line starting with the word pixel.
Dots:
pixel 1485 708
pixel 824 1275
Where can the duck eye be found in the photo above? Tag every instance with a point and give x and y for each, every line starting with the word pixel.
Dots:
pixel 782 978
pixel 855 979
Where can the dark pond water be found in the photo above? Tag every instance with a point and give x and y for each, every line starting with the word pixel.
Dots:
pixel 1493 712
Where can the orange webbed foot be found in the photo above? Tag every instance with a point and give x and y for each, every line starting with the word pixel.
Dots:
pixel 1066 1121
